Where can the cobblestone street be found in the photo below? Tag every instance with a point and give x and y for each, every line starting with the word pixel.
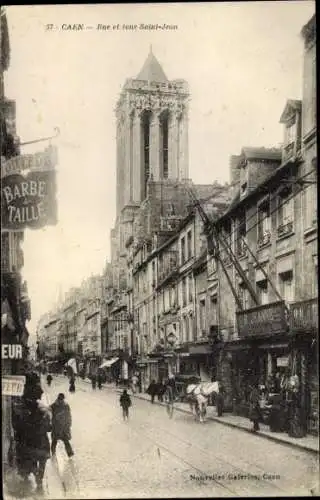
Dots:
pixel 152 455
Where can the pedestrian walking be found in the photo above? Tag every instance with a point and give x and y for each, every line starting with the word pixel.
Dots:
pixel 125 403
pixel 93 381
pixel 220 399
pixel 152 390
pixel 161 391
pixel 99 380
pixel 134 383
pixel 31 421
pixel 72 384
pixel 49 379
pixel 254 407
pixel 61 425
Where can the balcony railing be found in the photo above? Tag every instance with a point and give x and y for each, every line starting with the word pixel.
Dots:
pixel 264 239
pixel 168 268
pixel 267 319
pixel 304 315
pixel 284 229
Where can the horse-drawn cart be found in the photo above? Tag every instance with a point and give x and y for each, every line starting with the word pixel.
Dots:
pixel 190 389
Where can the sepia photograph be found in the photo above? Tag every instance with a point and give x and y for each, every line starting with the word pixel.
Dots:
pixel 159 250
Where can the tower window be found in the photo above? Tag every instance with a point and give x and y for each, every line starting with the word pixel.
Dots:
pixel 146 150
pixel 164 134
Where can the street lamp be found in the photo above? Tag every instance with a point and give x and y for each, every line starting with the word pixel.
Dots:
pixel 171 340
pixel 130 319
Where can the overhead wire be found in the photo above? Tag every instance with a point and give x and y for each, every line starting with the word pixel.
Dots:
pixel 147 300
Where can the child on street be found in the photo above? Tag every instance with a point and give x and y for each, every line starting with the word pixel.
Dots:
pixel 125 403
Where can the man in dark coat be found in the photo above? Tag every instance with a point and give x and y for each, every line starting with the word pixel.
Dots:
pixel 152 390
pixel 220 399
pixel 31 421
pixel 72 383
pixel 254 407
pixel 125 403
pixel 61 425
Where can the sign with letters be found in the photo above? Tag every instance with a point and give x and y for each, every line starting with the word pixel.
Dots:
pixel 29 191
pixel 12 385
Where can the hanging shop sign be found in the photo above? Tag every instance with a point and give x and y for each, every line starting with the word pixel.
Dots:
pixel 12 385
pixel 29 191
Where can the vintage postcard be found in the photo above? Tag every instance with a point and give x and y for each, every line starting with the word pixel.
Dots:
pixel 159 269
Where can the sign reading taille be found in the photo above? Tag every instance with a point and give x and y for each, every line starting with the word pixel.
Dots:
pixel 29 198
pixel 13 385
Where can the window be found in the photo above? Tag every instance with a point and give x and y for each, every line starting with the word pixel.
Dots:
pixel 212 265
pixel 190 281
pixel 182 249
pixel 184 292
pixel 187 330
pixel 244 295
pixel 285 212
pixel 310 205
pixel 290 132
pixel 241 235
pixel 202 316
pixel 264 224
pixel 189 245
pixel 214 310
pixel 262 291
pixel 226 235
pixel 315 278
pixel 164 145
pixel 146 148
pixel 286 285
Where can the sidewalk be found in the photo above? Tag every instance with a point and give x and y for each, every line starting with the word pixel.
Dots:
pixel 308 443
pixel 15 489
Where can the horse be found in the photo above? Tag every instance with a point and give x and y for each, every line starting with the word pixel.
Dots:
pixel 198 398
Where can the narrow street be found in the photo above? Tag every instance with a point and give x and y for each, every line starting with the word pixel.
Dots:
pixel 152 455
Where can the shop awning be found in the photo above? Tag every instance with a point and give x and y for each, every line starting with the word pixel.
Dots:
pixel 200 349
pixel 108 363
pixel 145 361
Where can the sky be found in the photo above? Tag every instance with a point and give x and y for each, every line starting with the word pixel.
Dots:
pixel 242 62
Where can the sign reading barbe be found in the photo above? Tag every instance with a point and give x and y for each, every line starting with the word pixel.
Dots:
pixel 29 200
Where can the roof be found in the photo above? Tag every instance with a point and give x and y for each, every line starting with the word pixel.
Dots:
pixel 262 153
pixel 292 105
pixel 237 202
pixel 152 70
pixel 309 29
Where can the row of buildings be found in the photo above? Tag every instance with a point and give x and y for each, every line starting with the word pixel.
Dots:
pixel 15 303
pixel 215 280
pixel 28 190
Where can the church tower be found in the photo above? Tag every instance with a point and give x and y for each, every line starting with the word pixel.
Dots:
pixel 152 132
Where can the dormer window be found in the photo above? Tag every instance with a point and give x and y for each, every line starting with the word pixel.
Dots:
pixel 290 132
pixel 291 119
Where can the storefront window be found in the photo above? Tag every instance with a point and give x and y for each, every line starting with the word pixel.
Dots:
pixel 286 286
pixel 262 291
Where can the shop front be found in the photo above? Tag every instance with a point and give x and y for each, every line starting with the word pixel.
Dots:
pixel 110 369
pixel 196 359
pixel 257 361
